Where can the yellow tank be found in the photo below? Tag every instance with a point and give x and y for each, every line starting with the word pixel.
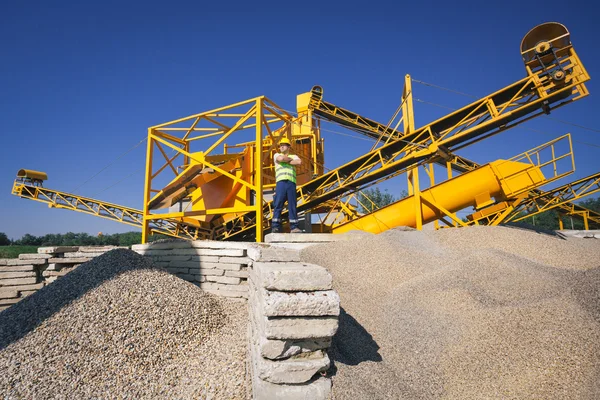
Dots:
pixel 33 175
pixel 497 180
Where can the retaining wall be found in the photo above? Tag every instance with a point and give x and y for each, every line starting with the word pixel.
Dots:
pixel 220 268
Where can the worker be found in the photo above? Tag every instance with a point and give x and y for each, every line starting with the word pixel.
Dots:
pixel 285 187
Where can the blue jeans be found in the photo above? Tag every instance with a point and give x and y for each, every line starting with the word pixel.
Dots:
pixel 285 190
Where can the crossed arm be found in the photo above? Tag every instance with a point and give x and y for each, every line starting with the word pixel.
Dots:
pixel 290 160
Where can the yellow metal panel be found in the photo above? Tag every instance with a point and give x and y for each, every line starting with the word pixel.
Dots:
pixel 302 101
pixel 514 179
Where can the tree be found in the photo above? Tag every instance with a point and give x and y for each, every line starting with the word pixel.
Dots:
pixel 129 238
pixel 592 204
pixel 547 220
pixel 374 199
pixel 4 240
pixel 30 240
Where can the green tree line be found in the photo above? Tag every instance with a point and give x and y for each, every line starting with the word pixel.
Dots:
pixel 77 239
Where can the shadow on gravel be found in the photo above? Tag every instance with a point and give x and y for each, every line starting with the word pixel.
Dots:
pixel 24 316
pixel 352 344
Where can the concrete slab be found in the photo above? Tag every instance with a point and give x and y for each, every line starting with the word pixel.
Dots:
pixel 172 244
pixel 303 237
pixel 316 389
pixel 16 268
pixel 294 276
pixel 8 293
pixel 237 274
pixel 278 349
pixel 235 260
pixel 5 302
pixel 78 260
pixel 79 254
pixel 19 288
pixel 99 249
pixel 266 253
pixel 297 369
pixel 15 261
pixel 284 328
pixel 215 244
pixel 57 249
pixel 20 274
pixel 287 304
pixel 207 271
pixel 229 280
pixel 17 281
pixel 34 256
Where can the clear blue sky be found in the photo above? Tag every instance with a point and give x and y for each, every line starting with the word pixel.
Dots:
pixel 82 81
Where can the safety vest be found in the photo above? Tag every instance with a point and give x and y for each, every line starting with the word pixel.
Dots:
pixel 284 171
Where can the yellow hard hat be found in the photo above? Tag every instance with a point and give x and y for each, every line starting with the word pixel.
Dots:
pixel 285 141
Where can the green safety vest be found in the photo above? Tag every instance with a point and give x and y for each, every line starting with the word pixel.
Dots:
pixel 285 171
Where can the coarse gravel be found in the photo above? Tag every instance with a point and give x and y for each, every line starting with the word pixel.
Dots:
pixel 470 313
pixel 117 327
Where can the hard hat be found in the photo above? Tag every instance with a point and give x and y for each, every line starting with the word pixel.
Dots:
pixel 285 141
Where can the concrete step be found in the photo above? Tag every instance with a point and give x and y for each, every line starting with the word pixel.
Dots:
pixel 303 237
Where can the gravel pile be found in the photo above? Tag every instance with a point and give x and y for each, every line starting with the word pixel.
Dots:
pixel 482 312
pixel 117 327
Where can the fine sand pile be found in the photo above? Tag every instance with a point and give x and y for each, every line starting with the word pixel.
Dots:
pixel 482 312
pixel 118 328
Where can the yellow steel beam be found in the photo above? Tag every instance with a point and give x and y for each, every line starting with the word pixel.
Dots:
pixel 211 113
pixel 147 187
pixel 258 171
pixel 558 198
pixel 110 211
pixel 220 132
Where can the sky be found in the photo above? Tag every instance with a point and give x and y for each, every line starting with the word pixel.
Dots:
pixel 82 81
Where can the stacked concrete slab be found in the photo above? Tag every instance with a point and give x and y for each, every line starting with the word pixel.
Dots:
pixel 300 241
pixel 294 315
pixel 219 268
pixel 25 275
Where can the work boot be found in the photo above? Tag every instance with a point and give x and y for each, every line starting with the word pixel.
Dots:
pixel 296 230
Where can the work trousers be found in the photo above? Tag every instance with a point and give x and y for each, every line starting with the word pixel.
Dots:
pixel 285 190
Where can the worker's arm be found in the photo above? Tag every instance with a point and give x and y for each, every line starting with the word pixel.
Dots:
pixel 295 160
pixel 284 158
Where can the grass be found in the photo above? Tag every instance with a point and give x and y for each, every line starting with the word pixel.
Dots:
pixel 14 251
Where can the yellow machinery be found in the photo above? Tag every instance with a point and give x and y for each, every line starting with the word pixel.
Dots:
pixel 195 193
pixel 537 201
pixel 35 178
pixel 502 211
pixel 500 179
